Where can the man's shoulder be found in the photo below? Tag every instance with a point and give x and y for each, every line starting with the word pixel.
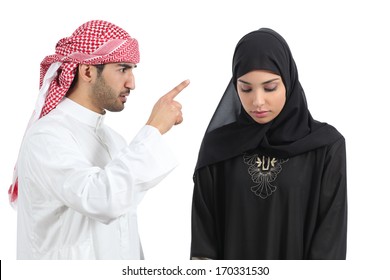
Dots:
pixel 53 123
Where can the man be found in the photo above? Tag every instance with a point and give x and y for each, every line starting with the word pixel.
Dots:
pixel 79 181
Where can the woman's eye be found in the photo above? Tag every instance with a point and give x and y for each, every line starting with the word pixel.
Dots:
pixel 270 88
pixel 246 89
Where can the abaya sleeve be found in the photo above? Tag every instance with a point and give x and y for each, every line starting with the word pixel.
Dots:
pixel 330 237
pixel 204 233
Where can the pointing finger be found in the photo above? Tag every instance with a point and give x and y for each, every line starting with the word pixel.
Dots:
pixel 176 90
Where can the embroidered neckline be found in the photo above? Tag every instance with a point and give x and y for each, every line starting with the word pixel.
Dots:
pixel 263 170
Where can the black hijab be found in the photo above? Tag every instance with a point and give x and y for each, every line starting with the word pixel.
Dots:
pixel 232 131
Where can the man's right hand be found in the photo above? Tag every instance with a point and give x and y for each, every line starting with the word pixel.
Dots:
pixel 167 112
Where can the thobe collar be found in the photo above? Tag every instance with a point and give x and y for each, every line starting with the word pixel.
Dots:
pixel 81 113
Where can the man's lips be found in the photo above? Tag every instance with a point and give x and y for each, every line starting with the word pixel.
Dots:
pixel 123 97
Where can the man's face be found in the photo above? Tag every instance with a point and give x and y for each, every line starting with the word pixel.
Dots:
pixel 112 86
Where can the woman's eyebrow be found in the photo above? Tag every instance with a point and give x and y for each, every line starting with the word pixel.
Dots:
pixel 263 83
pixel 241 81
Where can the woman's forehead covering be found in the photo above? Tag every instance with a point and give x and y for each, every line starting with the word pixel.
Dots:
pixel 263 49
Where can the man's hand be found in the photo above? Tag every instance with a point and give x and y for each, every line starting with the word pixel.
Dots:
pixel 167 112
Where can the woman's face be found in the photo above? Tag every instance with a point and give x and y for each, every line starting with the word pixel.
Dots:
pixel 262 95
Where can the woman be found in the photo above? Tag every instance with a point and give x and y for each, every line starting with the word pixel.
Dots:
pixel 270 181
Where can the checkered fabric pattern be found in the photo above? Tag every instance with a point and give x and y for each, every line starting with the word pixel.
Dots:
pixel 94 42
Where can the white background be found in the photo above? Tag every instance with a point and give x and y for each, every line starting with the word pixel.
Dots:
pixel 342 52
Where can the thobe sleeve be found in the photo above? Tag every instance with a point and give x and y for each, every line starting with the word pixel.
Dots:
pixel 203 229
pixel 105 193
pixel 330 237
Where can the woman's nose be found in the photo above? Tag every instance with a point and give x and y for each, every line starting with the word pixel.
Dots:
pixel 258 99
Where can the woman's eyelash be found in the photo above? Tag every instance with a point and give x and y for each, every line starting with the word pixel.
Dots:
pixel 270 89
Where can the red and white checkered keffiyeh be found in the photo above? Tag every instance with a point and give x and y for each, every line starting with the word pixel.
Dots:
pixel 95 42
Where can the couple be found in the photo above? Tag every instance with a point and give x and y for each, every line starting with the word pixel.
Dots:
pixel 270 181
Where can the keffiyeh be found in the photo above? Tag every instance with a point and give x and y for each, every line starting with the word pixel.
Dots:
pixel 94 42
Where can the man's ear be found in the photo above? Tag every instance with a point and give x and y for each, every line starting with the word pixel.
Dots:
pixel 86 72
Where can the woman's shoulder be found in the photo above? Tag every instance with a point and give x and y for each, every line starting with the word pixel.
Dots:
pixel 335 142
pixel 335 134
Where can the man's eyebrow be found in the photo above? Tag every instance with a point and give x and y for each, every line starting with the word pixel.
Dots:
pixel 125 65
pixel 263 83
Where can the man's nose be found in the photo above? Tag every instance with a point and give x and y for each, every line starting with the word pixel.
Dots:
pixel 130 81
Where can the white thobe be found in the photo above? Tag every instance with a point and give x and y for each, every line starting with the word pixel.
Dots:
pixel 80 184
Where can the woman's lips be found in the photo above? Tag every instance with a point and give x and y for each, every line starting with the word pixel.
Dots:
pixel 260 114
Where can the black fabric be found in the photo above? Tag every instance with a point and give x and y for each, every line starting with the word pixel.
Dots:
pixel 293 209
pixel 269 191
pixel 232 131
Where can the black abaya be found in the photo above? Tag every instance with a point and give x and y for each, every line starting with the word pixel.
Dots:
pixel 274 190
pixel 258 207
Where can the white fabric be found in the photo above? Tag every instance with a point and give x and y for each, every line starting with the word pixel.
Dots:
pixel 50 75
pixel 80 184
